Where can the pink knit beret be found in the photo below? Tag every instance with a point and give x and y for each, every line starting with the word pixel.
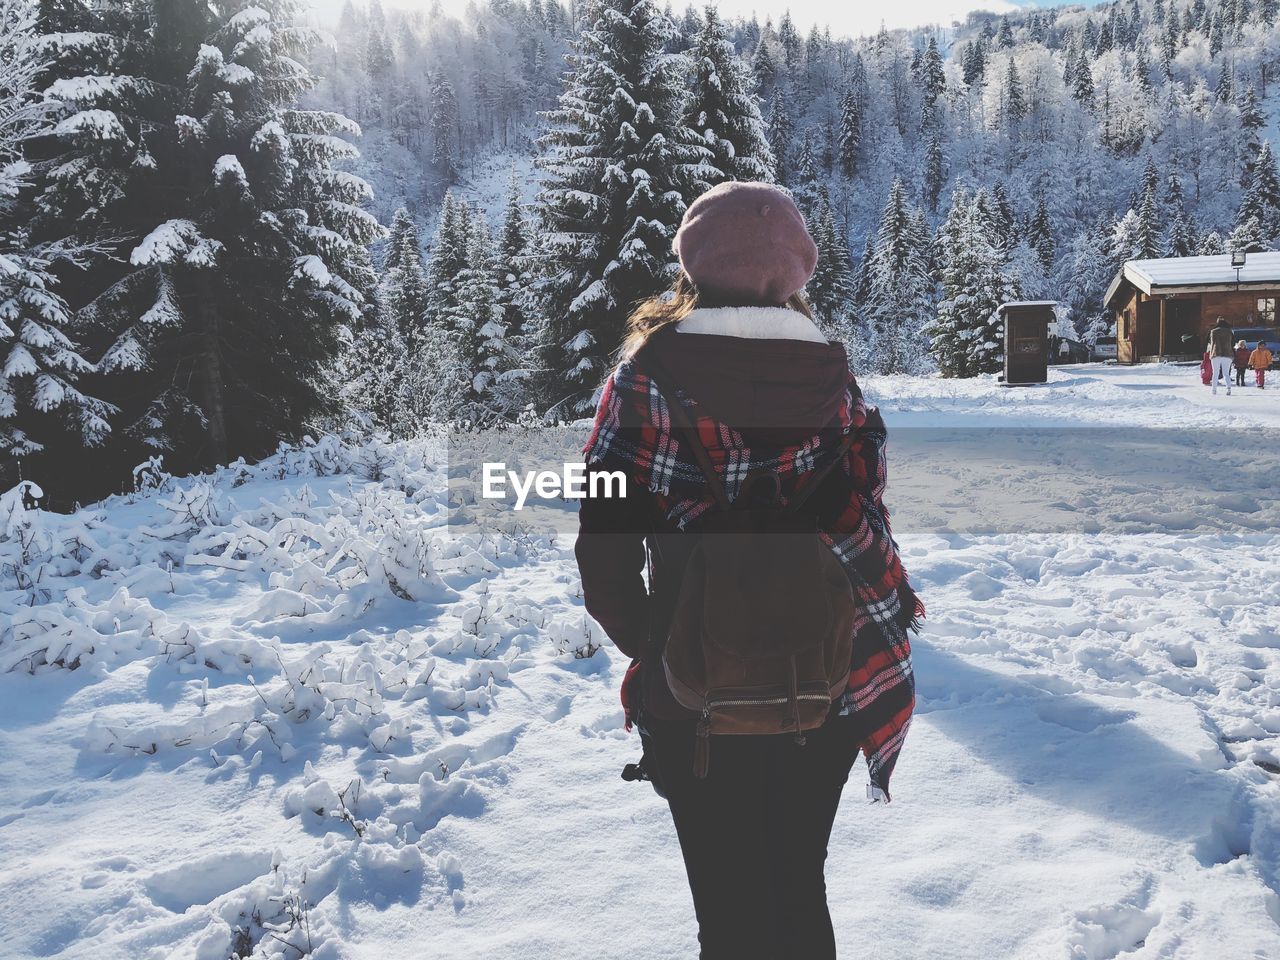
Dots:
pixel 746 242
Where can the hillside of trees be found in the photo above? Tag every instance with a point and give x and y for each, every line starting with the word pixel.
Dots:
pixel 942 170
pixel 196 261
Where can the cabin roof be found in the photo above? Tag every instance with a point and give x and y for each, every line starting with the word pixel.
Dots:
pixel 1026 303
pixel 1180 273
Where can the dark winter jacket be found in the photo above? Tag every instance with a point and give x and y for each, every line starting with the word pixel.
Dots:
pixel 768 388
pixel 1221 340
pixel 768 377
pixel 1242 358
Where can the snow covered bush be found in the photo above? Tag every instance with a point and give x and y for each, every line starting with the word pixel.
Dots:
pixel 25 536
pixel 581 638
pixel 193 507
pixel 269 921
pixel 74 586
pixel 150 475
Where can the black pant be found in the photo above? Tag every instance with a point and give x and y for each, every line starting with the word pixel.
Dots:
pixel 1240 376
pixel 754 835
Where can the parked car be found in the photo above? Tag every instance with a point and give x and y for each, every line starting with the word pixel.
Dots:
pixel 1104 348
pixel 1269 335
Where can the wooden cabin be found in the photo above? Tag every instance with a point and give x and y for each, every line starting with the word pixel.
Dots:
pixel 1156 303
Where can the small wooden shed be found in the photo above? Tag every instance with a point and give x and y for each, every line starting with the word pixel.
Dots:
pixel 1163 309
pixel 1026 340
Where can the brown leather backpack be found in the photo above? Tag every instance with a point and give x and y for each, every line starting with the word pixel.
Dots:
pixel 762 634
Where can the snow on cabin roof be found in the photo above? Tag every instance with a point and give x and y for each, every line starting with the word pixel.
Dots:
pixel 1026 303
pixel 1172 273
pixel 1204 271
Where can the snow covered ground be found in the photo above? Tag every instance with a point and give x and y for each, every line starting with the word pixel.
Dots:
pixel 314 708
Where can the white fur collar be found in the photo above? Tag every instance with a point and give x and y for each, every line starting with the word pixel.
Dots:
pixel 752 323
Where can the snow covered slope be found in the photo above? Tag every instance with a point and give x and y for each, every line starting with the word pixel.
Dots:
pixel 314 708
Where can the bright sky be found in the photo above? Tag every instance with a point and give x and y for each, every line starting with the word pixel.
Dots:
pixel 855 17
pixel 846 17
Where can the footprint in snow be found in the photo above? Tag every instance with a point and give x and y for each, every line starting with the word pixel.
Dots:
pixel 1104 933
pixel 1230 836
pixel 981 586
pixel 497 746
pixel 201 881
pixel 611 724
pixel 1081 716
pixel 559 710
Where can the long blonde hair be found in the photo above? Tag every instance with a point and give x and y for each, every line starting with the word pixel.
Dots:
pixel 669 308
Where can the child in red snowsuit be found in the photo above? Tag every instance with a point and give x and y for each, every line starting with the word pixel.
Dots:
pixel 1241 362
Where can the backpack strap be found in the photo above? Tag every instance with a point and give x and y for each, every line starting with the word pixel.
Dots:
pixel 810 483
pixel 680 420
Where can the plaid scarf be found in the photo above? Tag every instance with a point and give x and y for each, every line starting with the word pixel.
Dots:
pixel 633 427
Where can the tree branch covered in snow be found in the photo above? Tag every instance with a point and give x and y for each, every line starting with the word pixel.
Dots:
pixel 40 366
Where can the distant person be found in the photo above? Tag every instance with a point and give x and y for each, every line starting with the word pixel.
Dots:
pixel 1206 369
pixel 1242 362
pixel 1260 360
pixel 1221 353
pixel 1064 352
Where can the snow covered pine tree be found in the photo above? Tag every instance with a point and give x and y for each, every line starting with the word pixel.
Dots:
pixel 40 365
pixel 242 242
pixel 900 298
pixel 966 335
pixel 378 365
pixel 724 110
pixel 621 165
